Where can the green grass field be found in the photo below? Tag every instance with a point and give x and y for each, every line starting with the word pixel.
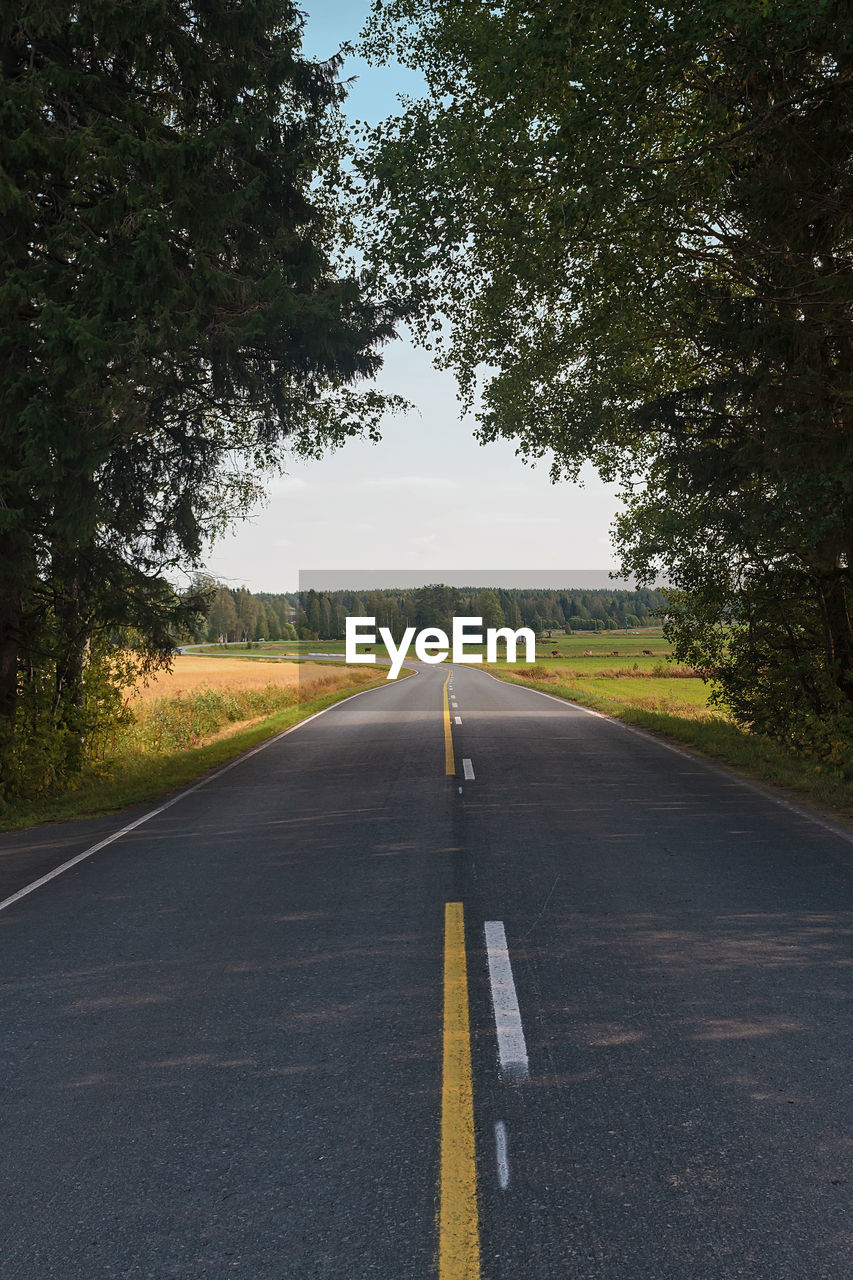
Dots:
pixel 650 691
pixel 622 675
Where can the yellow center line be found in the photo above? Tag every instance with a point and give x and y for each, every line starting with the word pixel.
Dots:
pixel 449 761
pixel 459 1231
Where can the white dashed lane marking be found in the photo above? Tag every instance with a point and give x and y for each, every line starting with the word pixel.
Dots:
pixel 512 1047
pixel 502 1155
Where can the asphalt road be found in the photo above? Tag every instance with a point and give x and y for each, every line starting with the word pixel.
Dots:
pixel 227 1041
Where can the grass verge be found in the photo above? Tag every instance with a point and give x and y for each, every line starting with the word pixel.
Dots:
pixel 138 776
pixel 710 735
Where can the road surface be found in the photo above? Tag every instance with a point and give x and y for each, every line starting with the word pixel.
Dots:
pixel 498 989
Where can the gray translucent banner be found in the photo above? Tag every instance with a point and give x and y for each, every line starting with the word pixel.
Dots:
pixel 532 579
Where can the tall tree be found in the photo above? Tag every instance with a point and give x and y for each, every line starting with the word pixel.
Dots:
pixel 223 620
pixel 170 315
pixel 637 219
pixel 247 613
pixel 488 607
pixel 437 605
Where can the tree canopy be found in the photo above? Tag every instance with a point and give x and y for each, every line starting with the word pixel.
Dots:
pixel 628 227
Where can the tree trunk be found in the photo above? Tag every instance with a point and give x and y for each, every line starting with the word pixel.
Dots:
pixel 10 636
pixel 72 653
pixel 840 632
pixel 14 568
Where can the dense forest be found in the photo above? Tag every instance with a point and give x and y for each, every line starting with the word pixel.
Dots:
pixel 238 614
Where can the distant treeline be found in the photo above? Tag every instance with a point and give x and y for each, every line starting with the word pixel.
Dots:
pixel 236 615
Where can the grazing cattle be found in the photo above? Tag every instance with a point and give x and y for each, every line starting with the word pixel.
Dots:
pixel 588 653
pixel 648 652
pixel 555 653
pixel 614 653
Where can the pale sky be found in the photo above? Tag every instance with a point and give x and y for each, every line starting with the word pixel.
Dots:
pixel 428 494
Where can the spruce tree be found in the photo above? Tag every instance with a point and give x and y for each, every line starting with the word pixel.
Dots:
pixel 168 301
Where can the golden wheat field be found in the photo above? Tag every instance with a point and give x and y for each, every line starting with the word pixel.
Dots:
pixel 190 673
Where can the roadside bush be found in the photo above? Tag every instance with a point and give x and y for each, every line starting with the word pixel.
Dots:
pixel 52 740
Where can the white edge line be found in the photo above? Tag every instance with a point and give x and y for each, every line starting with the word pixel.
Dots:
pixel 152 813
pixel 512 1047
pixel 722 770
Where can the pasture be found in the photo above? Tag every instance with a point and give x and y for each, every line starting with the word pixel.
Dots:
pixel 596 651
pixel 588 651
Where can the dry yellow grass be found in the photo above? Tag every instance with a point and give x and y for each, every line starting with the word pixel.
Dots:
pixel 190 673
